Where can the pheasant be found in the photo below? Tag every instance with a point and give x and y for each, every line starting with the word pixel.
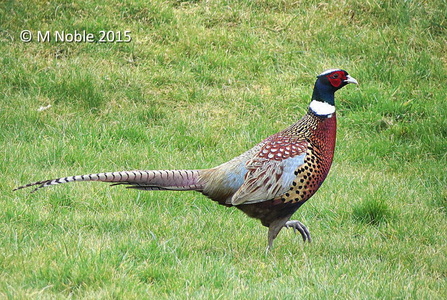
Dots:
pixel 268 182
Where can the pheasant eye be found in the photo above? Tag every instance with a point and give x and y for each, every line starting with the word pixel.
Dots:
pixel 335 79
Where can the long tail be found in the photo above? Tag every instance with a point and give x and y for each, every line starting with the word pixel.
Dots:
pixel 176 180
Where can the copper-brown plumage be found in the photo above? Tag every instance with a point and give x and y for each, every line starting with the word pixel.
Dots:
pixel 268 182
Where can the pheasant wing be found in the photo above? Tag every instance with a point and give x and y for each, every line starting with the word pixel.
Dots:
pixel 272 170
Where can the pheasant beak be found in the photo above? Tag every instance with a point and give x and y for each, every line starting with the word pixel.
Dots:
pixel 350 79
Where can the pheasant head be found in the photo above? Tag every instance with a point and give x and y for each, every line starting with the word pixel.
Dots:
pixel 327 83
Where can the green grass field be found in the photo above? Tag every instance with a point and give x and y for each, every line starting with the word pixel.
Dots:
pixel 199 83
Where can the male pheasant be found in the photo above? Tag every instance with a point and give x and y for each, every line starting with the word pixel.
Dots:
pixel 268 182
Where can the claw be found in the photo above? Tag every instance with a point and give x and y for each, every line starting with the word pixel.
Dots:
pixel 298 226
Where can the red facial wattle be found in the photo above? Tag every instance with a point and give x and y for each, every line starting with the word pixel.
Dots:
pixel 336 78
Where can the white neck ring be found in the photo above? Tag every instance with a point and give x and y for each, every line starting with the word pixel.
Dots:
pixel 321 108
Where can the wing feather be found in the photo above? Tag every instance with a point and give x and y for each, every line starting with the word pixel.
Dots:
pixel 271 171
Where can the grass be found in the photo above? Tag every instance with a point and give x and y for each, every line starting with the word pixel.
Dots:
pixel 201 82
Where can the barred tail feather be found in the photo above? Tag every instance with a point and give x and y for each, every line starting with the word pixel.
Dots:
pixel 178 180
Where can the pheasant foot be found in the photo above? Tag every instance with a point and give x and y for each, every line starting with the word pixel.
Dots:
pixel 298 226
